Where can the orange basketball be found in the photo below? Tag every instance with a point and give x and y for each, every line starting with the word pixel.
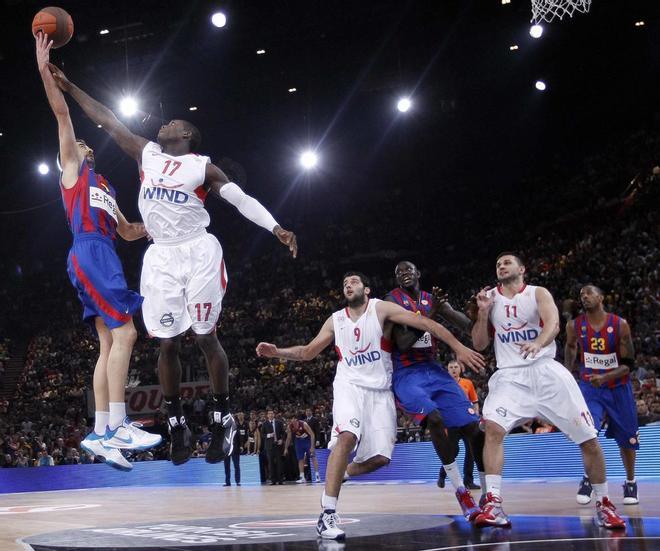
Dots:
pixel 56 23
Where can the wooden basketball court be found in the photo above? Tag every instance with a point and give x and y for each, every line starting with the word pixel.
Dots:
pixel 550 506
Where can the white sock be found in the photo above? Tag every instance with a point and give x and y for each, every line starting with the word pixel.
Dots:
pixel 100 422
pixel 328 502
pixel 482 483
pixel 117 414
pixel 600 490
pixel 346 475
pixel 454 475
pixel 494 484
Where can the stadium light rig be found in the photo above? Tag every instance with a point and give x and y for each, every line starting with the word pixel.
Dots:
pixel 540 85
pixel 404 105
pixel 43 169
pixel 536 31
pixel 219 19
pixel 128 106
pixel 309 160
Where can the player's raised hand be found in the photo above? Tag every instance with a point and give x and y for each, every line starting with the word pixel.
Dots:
pixel 472 359
pixel 484 301
pixel 43 50
pixel 288 238
pixel 266 350
pixel 60 77
pixel 471 308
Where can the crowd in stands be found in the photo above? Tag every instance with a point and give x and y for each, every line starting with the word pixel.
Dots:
pixel 571 230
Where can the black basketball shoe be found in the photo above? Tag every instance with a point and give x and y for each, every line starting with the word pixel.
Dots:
pixel 223 430
pixel 180 440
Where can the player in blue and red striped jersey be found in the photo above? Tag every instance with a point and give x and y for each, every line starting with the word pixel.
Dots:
pixel 606 358
pixel 425 389
pixel 97 275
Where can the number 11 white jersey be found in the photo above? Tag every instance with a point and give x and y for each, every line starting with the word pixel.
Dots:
pixel 172 194
pixel 516 321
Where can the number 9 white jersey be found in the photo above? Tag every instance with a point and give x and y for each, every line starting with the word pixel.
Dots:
pixel 365 356
pixel 172 194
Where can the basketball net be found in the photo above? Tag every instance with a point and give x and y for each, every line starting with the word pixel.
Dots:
pixel 548 10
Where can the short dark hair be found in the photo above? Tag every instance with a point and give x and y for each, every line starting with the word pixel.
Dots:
pixel 195 135
pixel 596 287
pixel 363 278
pixel 517 256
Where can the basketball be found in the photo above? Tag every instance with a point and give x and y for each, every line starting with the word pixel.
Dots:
pixel 56 23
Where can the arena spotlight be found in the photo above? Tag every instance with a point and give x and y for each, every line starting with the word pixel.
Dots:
pixel 308 159
pixel 99 126
pixel 261 52
pixel 404 105
pixel 128 106
pixel 540 85
pixel 43 169
pixel 192 108
pixel 536 31
pixel 219 19
pixel 639 23
pixel 513 47
pixel 104 31
pixel 292 90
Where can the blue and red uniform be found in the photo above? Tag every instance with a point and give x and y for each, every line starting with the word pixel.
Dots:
pixel 93 265
pixel 302 440
pixel 420 383
pixel 614 401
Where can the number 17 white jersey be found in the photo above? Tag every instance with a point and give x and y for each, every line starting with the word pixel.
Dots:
pixel 172 194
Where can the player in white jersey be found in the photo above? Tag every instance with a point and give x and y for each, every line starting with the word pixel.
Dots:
pixel 363 411
pixel 523 320
pixel 183 275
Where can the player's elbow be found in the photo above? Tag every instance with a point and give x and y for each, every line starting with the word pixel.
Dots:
pixel 307 354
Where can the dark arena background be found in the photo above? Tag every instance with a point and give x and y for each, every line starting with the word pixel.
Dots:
pixel 437 132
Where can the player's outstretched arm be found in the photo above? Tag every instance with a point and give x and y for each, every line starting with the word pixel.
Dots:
pixel 480 336
pixel 130 231
pixel 131 143
pixel 442 308
pixel 570 348
pixel 394 313
pixel 68 148
pixel 248 206
pixel 300 353
pixel 404 337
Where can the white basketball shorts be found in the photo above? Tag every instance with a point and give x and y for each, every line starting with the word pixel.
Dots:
pixel 543 389
pixel 183 285
pixel 369 414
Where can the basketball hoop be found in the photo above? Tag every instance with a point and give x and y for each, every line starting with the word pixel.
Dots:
pixel 548 10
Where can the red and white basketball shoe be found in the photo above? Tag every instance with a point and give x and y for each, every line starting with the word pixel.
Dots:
pixel 607 517
pixel 468 506
pixel 492 513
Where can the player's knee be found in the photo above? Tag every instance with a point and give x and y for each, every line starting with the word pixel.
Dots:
pixel 207 342
pixel 380 461
pixel 170 347
pixel 346 441
pixel 126 334
pixel 591 447
pixel 494 432
pixel 435 422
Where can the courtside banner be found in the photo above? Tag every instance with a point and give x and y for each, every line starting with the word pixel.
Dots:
pixel 148 399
